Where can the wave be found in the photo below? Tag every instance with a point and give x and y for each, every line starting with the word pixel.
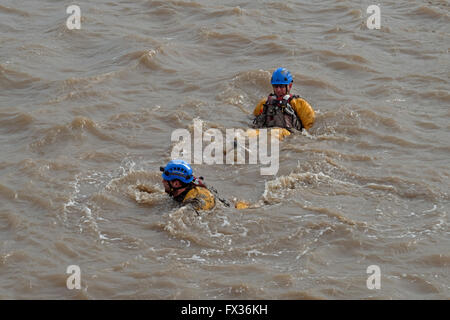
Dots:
pixel 282 6
pixel 7 193
pixel 353 119
pixel 15 122
pixel 251 78
pixel 228 41
pixel 434 260
pixel 179 3
pixel 429 12
pixel 35 198
pixel 326 54
pixel 339 8
pixel 148 59
pixel 235 11
pixel 439 95
pixel 10 79
pixel 72 83
pixel 271 48
pixel 64 133
pixel 344 66
pixel 333 154
pixel 315 83
pixel 326 177
pixel 8 10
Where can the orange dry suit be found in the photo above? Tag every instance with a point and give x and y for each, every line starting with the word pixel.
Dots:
pixel 289 112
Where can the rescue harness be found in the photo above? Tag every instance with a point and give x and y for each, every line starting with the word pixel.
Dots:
pixel 278 112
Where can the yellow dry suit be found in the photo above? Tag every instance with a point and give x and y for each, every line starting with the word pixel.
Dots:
pixel 201 198
pixel 198 195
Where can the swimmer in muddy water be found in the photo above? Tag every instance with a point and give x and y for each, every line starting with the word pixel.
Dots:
pixel 181 185
pixel 281 109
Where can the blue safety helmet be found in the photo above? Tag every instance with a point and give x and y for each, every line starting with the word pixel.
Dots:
pixel 281 76
pixel 177 169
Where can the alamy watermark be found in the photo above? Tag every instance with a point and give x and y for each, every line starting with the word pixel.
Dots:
pixel 374 21
pixel 374 280
pixel 74 20
pixel 74 280
pixel 233 148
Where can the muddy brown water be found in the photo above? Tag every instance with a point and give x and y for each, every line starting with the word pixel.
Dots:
pixel 86 117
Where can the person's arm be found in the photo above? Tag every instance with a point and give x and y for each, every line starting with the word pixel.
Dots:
pixel 304 111
pixel 259 107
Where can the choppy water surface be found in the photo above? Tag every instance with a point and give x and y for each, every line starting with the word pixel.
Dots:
pixel 86 117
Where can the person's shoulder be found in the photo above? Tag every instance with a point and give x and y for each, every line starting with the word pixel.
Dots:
pixel 201 198
pixel 191 193
pixel 204 191
pixel 259 106
pixel 198 192
pixel 296 99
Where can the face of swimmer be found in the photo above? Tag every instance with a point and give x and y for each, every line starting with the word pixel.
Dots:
pixel 173 187
pixel 281 89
